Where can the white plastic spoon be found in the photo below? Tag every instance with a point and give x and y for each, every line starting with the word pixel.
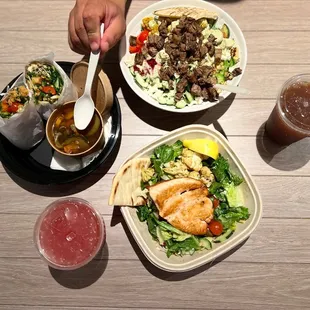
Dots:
pixel 233 89
pixel 84 107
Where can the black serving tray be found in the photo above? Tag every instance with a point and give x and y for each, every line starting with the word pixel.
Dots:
pixel 33 165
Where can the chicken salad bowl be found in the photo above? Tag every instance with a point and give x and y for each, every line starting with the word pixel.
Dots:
pixel 186 198
pixel 174 56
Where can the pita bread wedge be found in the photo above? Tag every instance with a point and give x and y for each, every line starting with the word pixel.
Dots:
pixel 126 190
pixel 178 12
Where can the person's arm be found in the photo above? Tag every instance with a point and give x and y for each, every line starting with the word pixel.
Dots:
pixel 84 24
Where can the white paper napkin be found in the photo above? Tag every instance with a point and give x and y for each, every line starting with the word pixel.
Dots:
pixel 67 163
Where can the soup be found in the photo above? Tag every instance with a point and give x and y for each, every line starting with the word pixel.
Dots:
pixel 68 138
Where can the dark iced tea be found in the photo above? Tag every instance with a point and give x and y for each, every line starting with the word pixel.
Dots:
pixel 290 119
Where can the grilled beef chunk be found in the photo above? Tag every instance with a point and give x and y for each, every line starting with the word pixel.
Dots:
pixel 236 72
pixel 132 41
pixel 166 73
pixel 178 97
pixel 144 51
pixel 176 38
pixel 182 67
pixel 151 40
pixel 211 51
pixel 182 85
pixel 205 93
pixel 182 56
pixel 203 51
pixel 191 77
pixel 183 47
pixel 217 56
pixel 139 59
pixel 152 51
pixel 163 28
pixel 160 43
pixel 212 38
pixel 213 94
pixel 155 41
pixel 196 90
pixel 207 81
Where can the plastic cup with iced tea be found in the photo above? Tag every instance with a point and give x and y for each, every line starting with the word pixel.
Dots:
pixel 290 119
pixel 69 233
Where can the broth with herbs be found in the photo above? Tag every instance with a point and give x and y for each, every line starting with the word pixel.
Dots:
pixel 68 138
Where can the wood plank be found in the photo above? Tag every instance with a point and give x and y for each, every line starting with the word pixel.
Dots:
pixel 263 47
pixel 31 307
pixel 274 241
pixel 266 16
pixel 107 283
pixel 243 307
pixel 32 199
pixel 140 118
pixel 259 155
pixel 33 44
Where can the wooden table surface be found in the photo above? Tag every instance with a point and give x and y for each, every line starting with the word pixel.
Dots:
pixel 271 270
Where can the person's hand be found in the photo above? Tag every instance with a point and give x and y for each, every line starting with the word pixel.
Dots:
pixel 84 25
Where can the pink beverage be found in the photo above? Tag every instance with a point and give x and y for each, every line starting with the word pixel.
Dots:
pixel 69 233
pixel 290 119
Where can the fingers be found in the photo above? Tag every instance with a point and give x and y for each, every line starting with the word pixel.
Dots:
pixel 73 39
pixel 115 29
pixel 80 29
pixel 92 26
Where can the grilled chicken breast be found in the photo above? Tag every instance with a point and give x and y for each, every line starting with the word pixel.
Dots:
pixel 183 202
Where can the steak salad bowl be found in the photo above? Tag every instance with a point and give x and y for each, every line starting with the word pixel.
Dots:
pixel 174 53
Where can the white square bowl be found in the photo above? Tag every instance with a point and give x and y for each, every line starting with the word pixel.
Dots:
pixel 251 196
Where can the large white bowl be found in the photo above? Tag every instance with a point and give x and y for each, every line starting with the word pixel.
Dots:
pixel 134 27
pixel 251 196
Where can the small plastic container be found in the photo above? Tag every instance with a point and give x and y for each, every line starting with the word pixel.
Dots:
pixel 252 201
pixel 69 233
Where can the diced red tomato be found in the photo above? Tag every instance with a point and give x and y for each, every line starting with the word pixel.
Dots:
pixel 142 36
pixel 49 90
pixel 216 227
pixel 135 49
pixel 13 108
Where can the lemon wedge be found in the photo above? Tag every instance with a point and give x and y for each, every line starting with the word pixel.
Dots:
pixel 203 146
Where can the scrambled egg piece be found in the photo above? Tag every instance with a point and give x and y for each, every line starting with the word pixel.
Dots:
pixel 178 169
pixel 191 159
pixel 207 177
pixel 147 174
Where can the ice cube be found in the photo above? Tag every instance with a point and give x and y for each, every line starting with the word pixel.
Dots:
pixel 71 235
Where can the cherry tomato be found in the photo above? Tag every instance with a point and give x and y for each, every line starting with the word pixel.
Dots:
pixel 142 36
pixel 13 108
pixel 49 90
pixel 135 49
pixel 216 227
pixel 216 203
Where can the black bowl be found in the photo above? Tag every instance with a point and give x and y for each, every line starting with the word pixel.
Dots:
pixel 33 165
